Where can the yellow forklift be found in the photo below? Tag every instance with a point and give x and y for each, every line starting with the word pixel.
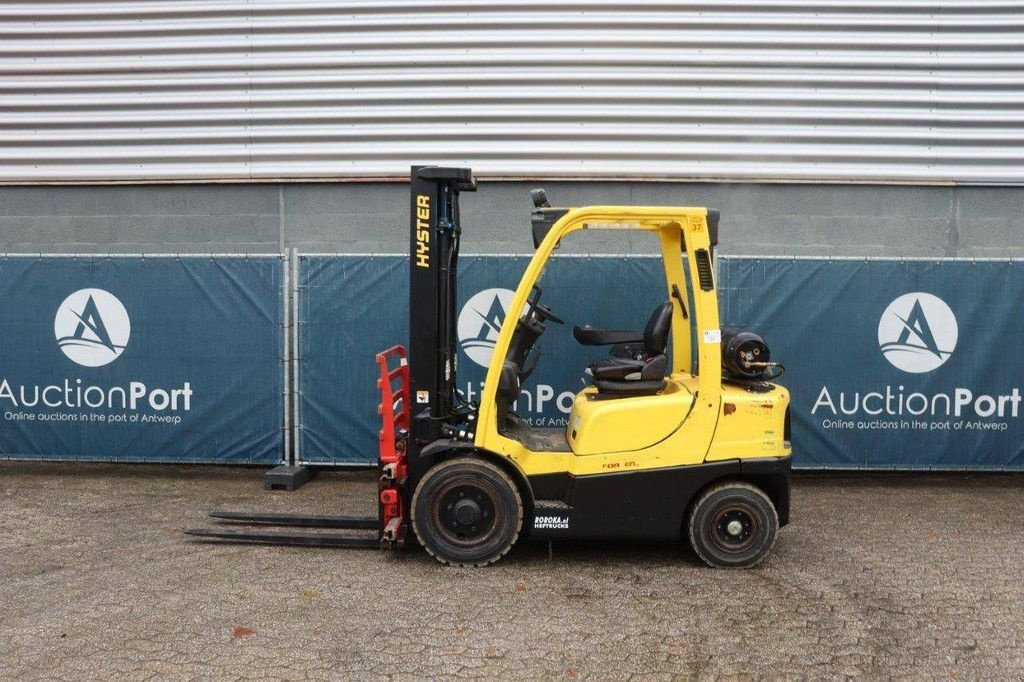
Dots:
pixel 681 435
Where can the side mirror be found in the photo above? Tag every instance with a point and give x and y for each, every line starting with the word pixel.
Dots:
pixel 543 216
pixel 539 198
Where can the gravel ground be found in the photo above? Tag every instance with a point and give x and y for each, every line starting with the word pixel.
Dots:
pixel 878 575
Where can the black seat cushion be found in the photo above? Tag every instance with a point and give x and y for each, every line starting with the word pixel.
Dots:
pixel 629 388
pixel 648 378
pixel 644 374
pixel 615 368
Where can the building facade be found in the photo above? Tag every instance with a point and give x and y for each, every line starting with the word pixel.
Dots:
pixel 816 127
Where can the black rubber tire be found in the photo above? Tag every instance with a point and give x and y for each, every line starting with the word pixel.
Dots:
pixel 711 515
pixel 474 543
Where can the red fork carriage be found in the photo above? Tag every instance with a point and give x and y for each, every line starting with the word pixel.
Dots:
pixel 394 413
pixel 390 523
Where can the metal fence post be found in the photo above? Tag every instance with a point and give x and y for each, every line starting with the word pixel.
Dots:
pixel 296 385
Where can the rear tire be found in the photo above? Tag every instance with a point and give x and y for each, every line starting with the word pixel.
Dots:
pixel 467 512
pixel 733 525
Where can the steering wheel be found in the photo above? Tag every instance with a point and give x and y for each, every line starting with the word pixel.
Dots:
pixel 545 313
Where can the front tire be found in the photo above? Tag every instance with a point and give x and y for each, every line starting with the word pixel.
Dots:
pixel 733 525
pixel 467 512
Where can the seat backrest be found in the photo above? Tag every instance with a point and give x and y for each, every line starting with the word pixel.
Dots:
pixel 657 329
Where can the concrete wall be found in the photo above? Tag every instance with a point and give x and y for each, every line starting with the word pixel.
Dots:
pixel 831 220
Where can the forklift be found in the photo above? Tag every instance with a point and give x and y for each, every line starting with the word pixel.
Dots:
pixel 680 435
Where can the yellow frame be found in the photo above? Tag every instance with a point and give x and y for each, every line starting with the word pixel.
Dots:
pixel 753 433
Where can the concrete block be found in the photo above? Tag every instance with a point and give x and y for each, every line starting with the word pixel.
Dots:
pixel 350 199
pixel 990 220
pixel 197 200
pixel 303 231
pixel 373 218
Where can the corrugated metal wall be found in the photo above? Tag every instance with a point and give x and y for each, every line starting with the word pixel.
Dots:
pixel 870 90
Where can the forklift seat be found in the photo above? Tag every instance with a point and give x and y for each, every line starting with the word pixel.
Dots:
pixel 638 370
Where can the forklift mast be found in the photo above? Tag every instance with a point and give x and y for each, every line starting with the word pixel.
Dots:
pixel 434 233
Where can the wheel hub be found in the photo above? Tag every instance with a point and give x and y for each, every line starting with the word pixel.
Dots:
pixel 735 528
pixel 466 513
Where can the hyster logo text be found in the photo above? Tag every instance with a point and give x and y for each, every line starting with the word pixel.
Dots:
pixel 422 231
pixel 92 327
pixel 917 332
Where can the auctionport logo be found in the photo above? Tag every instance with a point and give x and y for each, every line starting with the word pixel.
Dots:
pixel 917 332
pixel 480 322
pixel 92 327
pixel 478 326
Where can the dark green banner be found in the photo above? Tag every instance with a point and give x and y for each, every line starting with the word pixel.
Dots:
pixel 893 364
pixel 133 359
